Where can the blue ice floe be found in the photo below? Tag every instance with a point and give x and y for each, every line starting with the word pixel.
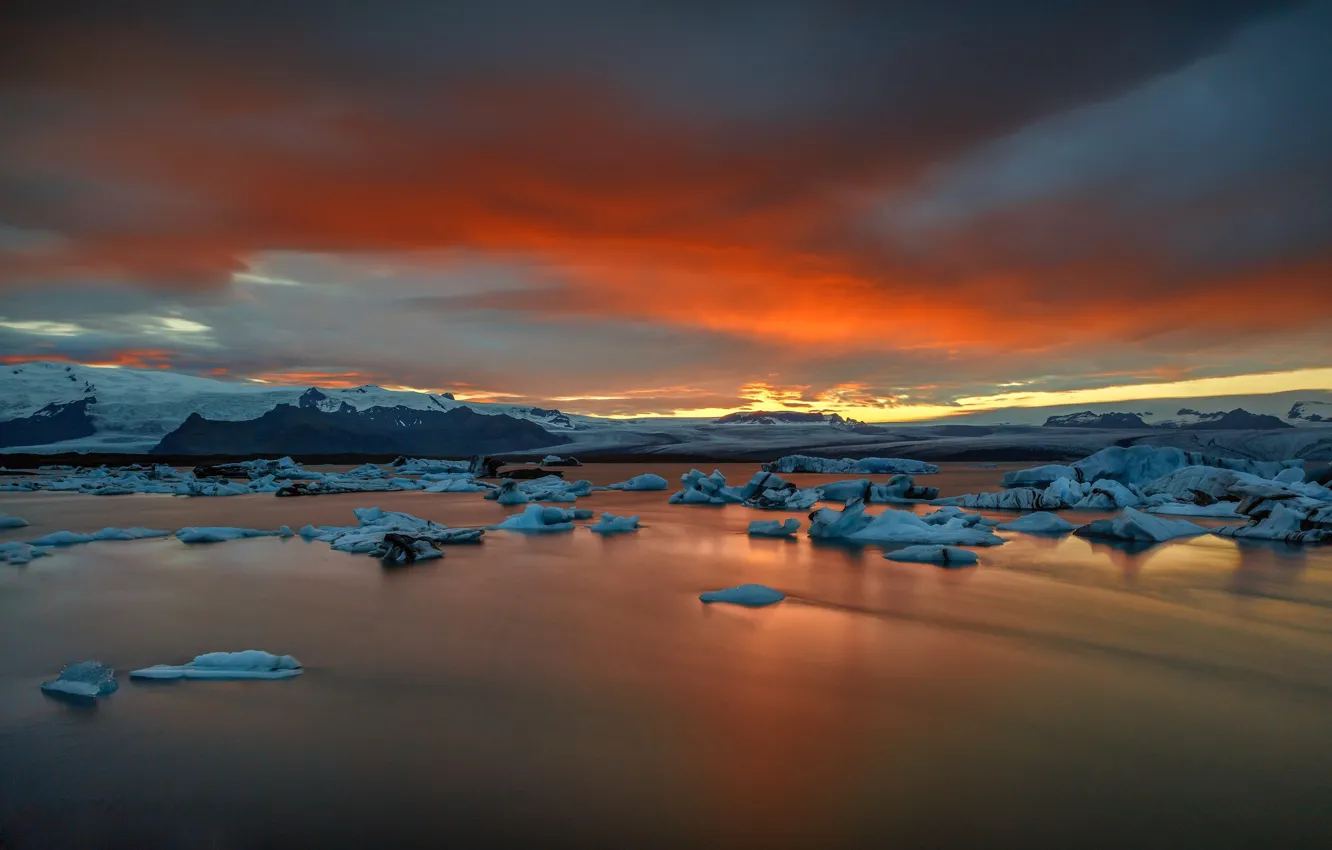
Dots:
pixel 247 664
pixel 749 595
pixel 7 521
pixel 646 481
pixel 89 679
pixel 774 527
pixel 223 533
pixel 612 524
pixel 73 538
pixel 538 519
pixel 1040 522
pixel 944 556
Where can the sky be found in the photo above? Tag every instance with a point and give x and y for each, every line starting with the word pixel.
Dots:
pixel 888 210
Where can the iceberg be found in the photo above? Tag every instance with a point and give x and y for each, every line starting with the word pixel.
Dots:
pixel 1038 476
pixel 769 491
pixel 1287 522
pixel 863 466
pixel 365 470
pixel 748 595
pixel 455 484
pixel 390 535
pixel 421 466
pixel 894 526
pixel 646 481
pixel 509 493
pixel 1200 485
pixel 612 524
pixel 548 488
pixel 1135 525
pixel 71 538
pixel 1106 494
pixel 774 527
pixel 247 664
pixel 7 521
pixel 223 533
pixel 1041 522
pixel 700 489
pixel 89 679
pixel 540 519
pixel 944 556
pixel 1018 499
pixel 19 553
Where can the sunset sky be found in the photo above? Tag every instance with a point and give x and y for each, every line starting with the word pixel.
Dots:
pixel 882 209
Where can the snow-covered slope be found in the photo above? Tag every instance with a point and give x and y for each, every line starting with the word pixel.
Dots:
pixel 135 408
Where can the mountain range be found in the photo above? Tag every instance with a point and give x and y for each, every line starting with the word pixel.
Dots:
pixel 50 408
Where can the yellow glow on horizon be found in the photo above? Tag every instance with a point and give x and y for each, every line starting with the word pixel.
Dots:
pixel 1253 384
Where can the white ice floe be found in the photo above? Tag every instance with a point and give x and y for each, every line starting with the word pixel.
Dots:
pixel 1134 525
pixel 549 488
pixel 646 481
pixel 612 524
pixel 774 527
pixel 1295 521
pixel 71 538
pixel 894 526
pixel 542 518
pixel 247 664
pixel 390 534
pixel 863 466
pixel 421 466
pixel 700 489
pixel 19 553
pixel 748 595
pixel 7 521
pixel 223 533
pixel 944 556
pixel 89 679
pixel 1041 522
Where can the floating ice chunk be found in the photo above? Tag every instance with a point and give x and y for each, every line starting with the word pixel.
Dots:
pixel 71 538
pixel 612 524
pixel 548 488
pixel 365 470
pixel 542 518
pixel 864 466
pixel 700 489
pixel 749 595
pixel 1291 522
pixel 89 679
pixel 19 553
pixel 1019 499
pixel 1041 522
pixel 646 481
pixel 509 493
pixel 418 466
pixel 1136 525
pixel 248 664
pixel 455 484
pixel 894 526
pixel 944 556
pixel 223 533
pixel 1038 476
pixel 1106 494
pixel 950 513
pixel 1217 509
pixel 7 521
pixel 1201 485
pixel 774 527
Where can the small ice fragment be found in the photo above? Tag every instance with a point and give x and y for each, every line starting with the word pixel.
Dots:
pixel 223 533
pixel 944 556
pixel 7 521
pixel 612 524
pixel 774 528
pixel 749 595
pixel 646 481
pixel 84 679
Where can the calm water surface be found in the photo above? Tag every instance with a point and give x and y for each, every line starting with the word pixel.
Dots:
pixel 569 690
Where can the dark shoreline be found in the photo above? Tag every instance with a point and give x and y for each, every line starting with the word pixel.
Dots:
pixel 32 461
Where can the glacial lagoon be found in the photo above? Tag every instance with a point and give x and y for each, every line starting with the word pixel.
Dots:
pixel 570 689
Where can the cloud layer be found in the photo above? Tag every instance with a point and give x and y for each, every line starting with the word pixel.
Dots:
pixel 648 207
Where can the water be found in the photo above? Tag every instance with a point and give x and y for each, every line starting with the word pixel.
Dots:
pixel 570 690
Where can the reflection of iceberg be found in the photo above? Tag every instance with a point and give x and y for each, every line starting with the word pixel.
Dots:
pixel 944 556
pixel 1138 526
pixel 248 664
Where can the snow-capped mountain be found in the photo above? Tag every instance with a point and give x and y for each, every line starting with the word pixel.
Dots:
pixel 131 410
pixel 1088 419
pixel 780 417
pixel 1311 411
